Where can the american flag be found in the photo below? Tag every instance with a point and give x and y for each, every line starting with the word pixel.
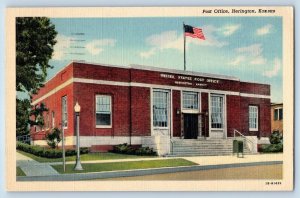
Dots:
pixel 193 32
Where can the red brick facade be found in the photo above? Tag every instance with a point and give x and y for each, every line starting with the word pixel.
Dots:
pixel 130 89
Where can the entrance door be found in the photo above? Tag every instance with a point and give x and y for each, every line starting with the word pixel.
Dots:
pixel 190 126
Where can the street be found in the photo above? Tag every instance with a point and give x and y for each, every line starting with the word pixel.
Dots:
pixel 249 172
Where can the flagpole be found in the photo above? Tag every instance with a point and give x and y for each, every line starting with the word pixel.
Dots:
pixel 184 48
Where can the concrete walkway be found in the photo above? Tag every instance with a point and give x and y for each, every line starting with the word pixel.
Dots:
pixel 233 159
pixel 113 160
pixel 138 172
pixel 45 172
pixel 200 160
pixel 33 168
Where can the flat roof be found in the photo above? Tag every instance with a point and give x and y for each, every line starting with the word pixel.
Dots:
pixel 159 69
pixel 275 104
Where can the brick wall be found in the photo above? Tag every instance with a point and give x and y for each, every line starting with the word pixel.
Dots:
pixel 233 114
pixel 86 93
pixel 264 124
pixel 53 103
pixel 276 125
pixel 99 72
pixel 61 77
pixel 255 88
pixel 204 108
pixel 140 110
pixel 176 118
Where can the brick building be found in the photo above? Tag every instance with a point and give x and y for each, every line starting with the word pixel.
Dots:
pixel 151 106
pixel 277 117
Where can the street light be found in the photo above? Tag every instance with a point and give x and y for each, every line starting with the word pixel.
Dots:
pixel 77 112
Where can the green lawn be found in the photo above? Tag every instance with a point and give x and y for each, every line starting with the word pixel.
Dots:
pixel 85 157
pixel 99 167
pixel 20 172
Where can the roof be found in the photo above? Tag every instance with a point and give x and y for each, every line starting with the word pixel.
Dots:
pixel 277 104
pixel 159 69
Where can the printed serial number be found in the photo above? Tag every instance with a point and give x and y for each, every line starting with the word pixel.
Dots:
pixel 273 183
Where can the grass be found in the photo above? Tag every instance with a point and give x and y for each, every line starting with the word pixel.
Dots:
pixel 20 172
pixel 100 167
pixel 85 157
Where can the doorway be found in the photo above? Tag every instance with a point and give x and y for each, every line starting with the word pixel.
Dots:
pixel 190 126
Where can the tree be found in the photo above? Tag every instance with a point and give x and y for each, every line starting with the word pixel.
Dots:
pixel 37 115
pixel 53 138
pixel 35 38
pixel 22 115
pixel 25 111
pixel 34 46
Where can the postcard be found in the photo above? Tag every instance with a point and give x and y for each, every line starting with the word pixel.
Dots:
pixel 150 99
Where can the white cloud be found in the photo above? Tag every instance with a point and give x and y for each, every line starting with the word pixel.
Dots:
pixel 228 30
pixel 147 54
pixel 252 54
pixel 259 60
pixel 237 61
pixel 166 40
pixel 210 38
pixel 274 71
pixel 251 50
pixel 95 47
pixel 63 43
pixel 173 40
pixel 264 30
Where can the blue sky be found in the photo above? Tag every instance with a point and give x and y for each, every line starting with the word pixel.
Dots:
pixel 249 48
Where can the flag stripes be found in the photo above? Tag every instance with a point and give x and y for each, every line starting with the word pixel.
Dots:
pixel 194 32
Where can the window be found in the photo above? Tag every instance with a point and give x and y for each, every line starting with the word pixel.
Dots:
pixel 278 114
pixel 64 112
pixel 53 119
pixel 217 112
pixel 253 118
pixel 37 127
pixel 103 111
pixel 47 121
pixel 160 108
pixel 190 100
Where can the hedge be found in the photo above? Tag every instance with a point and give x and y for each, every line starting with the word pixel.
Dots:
pixel 48 153
pixel 271 148
pixel 133 150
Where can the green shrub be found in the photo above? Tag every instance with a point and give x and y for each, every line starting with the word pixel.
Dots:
pixel 132 150
pixel 276 137
pixel 53 138
pixel 48 153
pixel 84 150
pixel 276 145
pixel 145 151
pixel 271 148
pixel 70 152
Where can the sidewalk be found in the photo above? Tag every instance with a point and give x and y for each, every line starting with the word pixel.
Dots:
pixel 33 168
pixel 200 160
pixel 233 159
pixel 46 173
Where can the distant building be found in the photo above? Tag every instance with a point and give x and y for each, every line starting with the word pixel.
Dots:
pixel 277 117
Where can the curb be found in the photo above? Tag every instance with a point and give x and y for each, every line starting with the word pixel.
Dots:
pixel 140 172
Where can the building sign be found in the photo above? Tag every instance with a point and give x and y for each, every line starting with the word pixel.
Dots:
pixel 189 80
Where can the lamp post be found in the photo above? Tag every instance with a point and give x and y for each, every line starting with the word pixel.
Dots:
pixel 77 112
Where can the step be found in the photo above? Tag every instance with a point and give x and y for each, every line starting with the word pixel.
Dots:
pixel 204 147
pixel 199 154
pixel 200 147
